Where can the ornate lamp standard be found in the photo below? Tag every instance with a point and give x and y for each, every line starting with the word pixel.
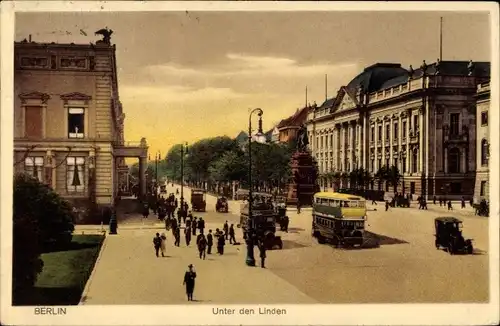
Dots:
pixel 183 152
pixel 402 157
pixel 157 159
pixel 259 137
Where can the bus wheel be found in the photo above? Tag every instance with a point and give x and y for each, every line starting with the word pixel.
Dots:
pixel 321 239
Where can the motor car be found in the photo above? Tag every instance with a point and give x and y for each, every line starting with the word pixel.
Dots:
pixel 449 236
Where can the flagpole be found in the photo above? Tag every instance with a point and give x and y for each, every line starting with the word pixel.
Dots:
pixel 441 39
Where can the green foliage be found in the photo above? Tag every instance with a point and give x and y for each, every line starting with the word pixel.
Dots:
pixel 230 166
pixel 53 214
pixel 41 219
pixel 389 174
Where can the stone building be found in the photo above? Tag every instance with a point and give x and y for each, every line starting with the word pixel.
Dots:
pixel 68 122
pixel 482 188
pixel 289 127
pixel 421 121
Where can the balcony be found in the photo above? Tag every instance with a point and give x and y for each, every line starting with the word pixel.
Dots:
pixel 130 149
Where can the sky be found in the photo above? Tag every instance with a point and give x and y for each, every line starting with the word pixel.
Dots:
pixel 184 76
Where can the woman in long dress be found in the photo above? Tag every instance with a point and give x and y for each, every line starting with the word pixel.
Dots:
pixel 163 245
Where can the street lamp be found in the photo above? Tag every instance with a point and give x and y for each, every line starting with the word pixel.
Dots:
pixel 157 159
pixel 403 165
pixel 259 137
pixel 182 172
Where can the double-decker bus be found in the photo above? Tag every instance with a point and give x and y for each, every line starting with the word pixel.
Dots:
pixel 339 218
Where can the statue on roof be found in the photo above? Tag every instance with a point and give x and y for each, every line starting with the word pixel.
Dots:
pixel 423 67
pixel 470 68
pixel 411 72
pixel 106 35
pixel 302 140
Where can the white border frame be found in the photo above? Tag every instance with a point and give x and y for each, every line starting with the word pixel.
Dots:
pixel 369 314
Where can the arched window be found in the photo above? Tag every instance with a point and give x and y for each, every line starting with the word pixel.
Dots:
pixel 414 161
pixel 484 152
pixel 454 160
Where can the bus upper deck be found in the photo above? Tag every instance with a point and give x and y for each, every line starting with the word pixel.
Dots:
pixel 340 205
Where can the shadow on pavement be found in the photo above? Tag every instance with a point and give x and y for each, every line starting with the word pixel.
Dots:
pixel 295 230
pixel 288 244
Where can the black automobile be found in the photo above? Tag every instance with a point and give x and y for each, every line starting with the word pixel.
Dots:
pixel 222 205
pixel 449 236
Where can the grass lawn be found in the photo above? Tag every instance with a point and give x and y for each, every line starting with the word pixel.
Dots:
pixel 66 272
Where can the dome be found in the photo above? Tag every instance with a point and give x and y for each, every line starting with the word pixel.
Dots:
pixel 374 77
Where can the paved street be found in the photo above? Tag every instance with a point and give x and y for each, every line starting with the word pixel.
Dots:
pixel 405 268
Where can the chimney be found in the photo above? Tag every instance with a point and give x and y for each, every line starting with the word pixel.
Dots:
pixel 29 38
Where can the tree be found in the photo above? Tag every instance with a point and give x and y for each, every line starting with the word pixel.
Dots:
pixel 52 214
pixel 26 261
pixel 393 176
pixel 229 167
pixel 381 175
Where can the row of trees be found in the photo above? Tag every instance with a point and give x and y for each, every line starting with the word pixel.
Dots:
pixel 222 159
pixel 360 178
pixel 42 221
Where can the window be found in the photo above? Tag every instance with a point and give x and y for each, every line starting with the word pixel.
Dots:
pixel 372 165
pixel 379 133
pixel 396 131
pixel 484 152
pixel 373 134
pixel 75 179
pixel 414 161
pixel 387 131
pixel 454 160
pixel 33 166
pixel 395 162
pixel 483 188
pixel 33 122
pixel 484 118
pixel 387 162
pixel 76 117
pixel 403 165
pixel 454 124
pixel 379 163
pixel 404 129
pixel 331 140
pixel 415 122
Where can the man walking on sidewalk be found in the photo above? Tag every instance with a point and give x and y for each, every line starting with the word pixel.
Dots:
pixel 157 244
pixel 210 242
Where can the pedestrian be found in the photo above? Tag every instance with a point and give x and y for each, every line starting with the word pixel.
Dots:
pixel 386 205
pixel 374 202
pixel 177 236
pixel 157 244
pixel 434 200
pixel 163 245
pixel 232 238
pixel 226 230
pixel 262 249
pixel 202 245
pixel 201 224
pixel 286 222
pixel 298 207
pixel 173 223
pixel 187 233
pixel 471 202
pixel 463 202
pixel 210 242
pixel 450 208
pixel 188 222
pixel 189 281
pixel 194 225
pixel 145 210
pixel 221 241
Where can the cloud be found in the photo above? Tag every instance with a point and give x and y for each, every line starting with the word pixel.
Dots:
pixel 239 65
pixel 176 94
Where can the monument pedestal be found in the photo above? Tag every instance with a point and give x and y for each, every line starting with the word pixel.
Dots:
pixel 303 185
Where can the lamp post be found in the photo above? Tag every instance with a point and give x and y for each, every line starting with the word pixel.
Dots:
pixel 250 236
pixel 182 173
pixel 401 158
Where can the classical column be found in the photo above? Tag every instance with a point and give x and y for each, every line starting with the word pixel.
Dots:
pixel 142 177
pixel 375 165
pixel 391 134
pixel 445 159
pixel 354 128
pixel 364 132
pixel 49 171
pixel 91 178
pixel 421 146
pixel 409 154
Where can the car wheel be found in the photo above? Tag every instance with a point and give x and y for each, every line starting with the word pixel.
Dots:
pixel 470 250
pixel 451 250
pixel 321 239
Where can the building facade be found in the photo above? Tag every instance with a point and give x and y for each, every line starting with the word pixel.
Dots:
pixel 421 121
pixel 68 121
pixel 482 188
pixel 289 127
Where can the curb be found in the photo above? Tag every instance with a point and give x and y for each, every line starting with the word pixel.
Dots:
pixel 89 281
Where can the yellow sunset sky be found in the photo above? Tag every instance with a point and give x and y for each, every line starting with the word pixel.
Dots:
pixel 189 75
